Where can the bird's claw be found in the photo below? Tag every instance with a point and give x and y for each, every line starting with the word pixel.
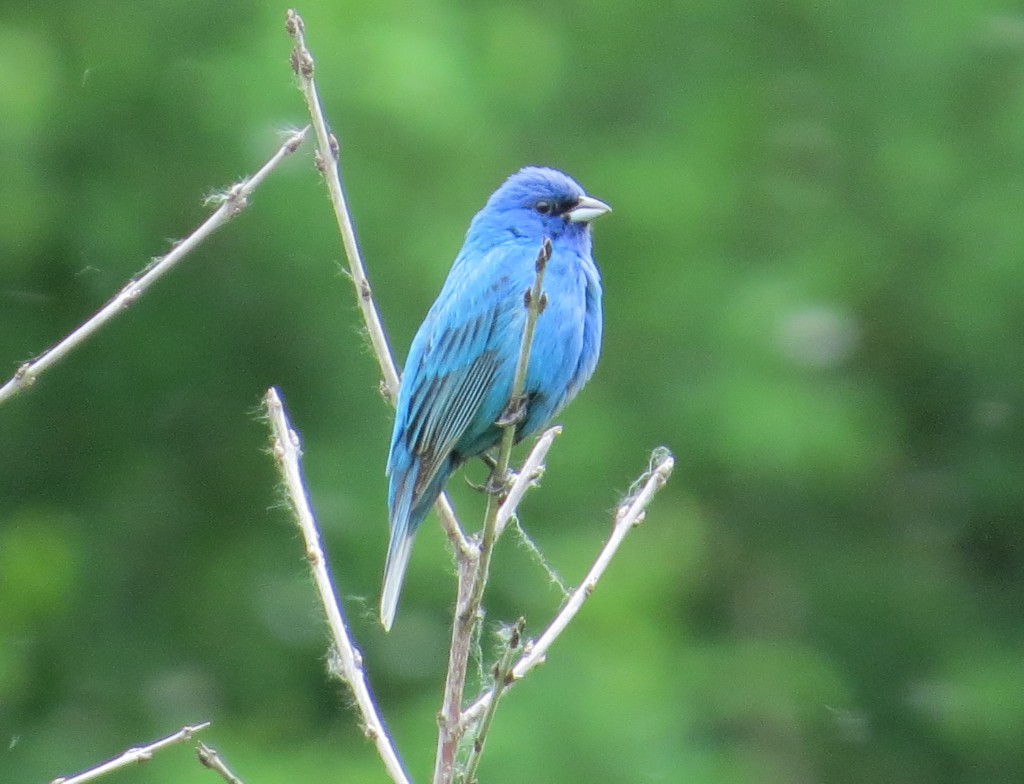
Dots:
pixel 498 486
pixel 479 488
pixel 514 412
pixel 489 460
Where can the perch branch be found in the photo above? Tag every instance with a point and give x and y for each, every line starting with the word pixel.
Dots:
pixel 232 202
pixel 349 660
pixel 327 163
pixel 467 608
pixel 629 514
pixel 133 756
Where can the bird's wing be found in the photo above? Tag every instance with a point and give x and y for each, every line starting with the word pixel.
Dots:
pixel 456 356
pixel 442 408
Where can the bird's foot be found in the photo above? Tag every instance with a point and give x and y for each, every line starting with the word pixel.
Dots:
pixel 498 486
pixel 514 412
pixel 480 488
pixel 489 460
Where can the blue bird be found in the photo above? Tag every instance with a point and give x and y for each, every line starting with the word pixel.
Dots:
pixel 458 376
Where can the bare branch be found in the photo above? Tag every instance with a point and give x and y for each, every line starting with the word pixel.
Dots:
pixel 629 514
pixel 210 758
pixel 349 659
pixel 231 202
pixel 133 756
pixel 467 608
pixel 327 163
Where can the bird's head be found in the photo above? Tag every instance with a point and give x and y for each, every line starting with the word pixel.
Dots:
pixel 537 202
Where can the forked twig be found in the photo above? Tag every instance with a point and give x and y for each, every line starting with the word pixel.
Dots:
pixel 629 514
pixel 133 756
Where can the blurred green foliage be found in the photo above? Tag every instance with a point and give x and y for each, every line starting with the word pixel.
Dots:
pixel 813 296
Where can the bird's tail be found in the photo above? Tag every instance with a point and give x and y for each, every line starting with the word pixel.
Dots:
pixel 408 510
pixel 403 531
pixel 399 550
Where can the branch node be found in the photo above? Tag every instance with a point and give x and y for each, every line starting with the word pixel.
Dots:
pixel 293 23
pixel 209 758
pixel 129 295
pixel 295 141
pixel 544 256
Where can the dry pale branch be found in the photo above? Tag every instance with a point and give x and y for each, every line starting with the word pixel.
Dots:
pixel 133 756
pixel 349 659
pixel 629 514
pixel 327 163
pixel 231 202
pixel 210 758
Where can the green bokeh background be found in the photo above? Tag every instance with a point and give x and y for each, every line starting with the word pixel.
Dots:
pixel 813 296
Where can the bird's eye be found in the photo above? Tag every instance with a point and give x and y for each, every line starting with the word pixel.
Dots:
pixel 543 207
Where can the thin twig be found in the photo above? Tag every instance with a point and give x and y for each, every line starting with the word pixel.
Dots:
pixel 349 659
pixel 132 756
pixel 502 676
pixel 629 514
pixel 327 163
pixel 231 202
pixel 210 758
pixel 467 608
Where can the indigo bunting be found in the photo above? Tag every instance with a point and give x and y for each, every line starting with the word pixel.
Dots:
pixel 459 373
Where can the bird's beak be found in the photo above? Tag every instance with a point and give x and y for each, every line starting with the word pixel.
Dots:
pixel 587 209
